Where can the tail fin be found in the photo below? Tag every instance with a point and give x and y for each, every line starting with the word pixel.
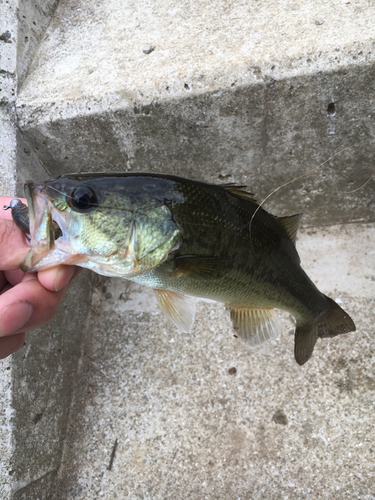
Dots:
pixel 334 322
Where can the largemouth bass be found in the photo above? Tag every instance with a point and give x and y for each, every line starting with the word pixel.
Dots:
pixel 183 238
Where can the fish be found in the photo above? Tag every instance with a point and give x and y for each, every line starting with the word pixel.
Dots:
pixel 183 238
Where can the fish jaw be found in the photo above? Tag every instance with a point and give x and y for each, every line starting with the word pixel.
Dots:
pixel 41 229
pixel 44 253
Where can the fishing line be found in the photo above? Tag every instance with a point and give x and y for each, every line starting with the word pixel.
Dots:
pixel 13 184
pixel 363 185
pixel 295 179
pixel 249 225
pixel 36 153
pixel 136 212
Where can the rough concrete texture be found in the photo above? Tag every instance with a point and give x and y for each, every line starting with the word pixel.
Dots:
pixel 35 384
pixel 187 428
pixel 42 376
pixel 255 92
pixel 33 19
pixel 8 52
pixel 7 153
pixel 7 186
pixel 6 414
pixel 252 92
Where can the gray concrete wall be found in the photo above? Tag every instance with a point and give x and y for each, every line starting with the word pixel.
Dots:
pixel 8 86
pixel 35 383
pixel 255 93
pixel 42 375
pixel 189 429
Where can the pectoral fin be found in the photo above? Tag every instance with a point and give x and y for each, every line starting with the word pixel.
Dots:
pixel 255 326
pixel 198 267
pixel 178 308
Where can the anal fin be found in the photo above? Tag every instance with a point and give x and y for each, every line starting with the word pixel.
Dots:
pixel 255 326
pixel 178 308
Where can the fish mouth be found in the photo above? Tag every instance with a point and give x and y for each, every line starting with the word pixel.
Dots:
pixel 46 227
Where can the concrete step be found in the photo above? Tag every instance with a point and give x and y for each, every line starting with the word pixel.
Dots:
pixel 35 383
pixel 255 93
pixel 187 428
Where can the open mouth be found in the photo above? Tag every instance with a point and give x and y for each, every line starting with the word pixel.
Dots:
pixel 46 229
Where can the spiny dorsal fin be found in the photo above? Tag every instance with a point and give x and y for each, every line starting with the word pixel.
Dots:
pixel 178 308
pixel 290 224
pixel 239 191
pixel 255 326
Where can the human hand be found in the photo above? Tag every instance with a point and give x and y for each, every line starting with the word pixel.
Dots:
pixel 27 300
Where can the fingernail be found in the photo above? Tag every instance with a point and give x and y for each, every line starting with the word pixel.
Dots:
pixel 64 275
pixel 14 317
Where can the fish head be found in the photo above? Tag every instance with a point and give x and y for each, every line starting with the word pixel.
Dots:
pixel 104 223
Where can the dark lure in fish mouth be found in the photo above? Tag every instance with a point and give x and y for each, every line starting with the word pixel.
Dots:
pixel 36 220
pixel 184 239
pixel 21 216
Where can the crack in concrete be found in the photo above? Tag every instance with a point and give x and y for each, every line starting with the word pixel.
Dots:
pixel 25 486
pixel 5 72
pixel 263 125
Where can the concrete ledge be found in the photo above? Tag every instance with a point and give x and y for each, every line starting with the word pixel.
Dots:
pixel 35 384
pixel 254 93
pixel 33 20
pixel 217 99
pixel 186 428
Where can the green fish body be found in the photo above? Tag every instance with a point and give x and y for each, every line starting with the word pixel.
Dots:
pixel 184 238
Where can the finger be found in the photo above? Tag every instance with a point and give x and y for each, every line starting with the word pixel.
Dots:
pixel 27 305
pixel 11 344
pixel 3 280
pixel 4 201
pixel 13 246
pixel 58 277
pixel 14 277
pixel 8 279
pixel 5 288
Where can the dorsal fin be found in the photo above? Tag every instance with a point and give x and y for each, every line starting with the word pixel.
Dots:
pixel 290 224
pixel 239 191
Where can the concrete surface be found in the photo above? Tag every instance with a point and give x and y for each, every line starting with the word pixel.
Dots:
pixel 186 428
pixel 8 88
pixel 257 92
pixel 33 19
pixel 35 384
pixel 252 92
pixel 42 375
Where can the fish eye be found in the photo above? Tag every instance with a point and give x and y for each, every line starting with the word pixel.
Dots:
pixel 83 199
